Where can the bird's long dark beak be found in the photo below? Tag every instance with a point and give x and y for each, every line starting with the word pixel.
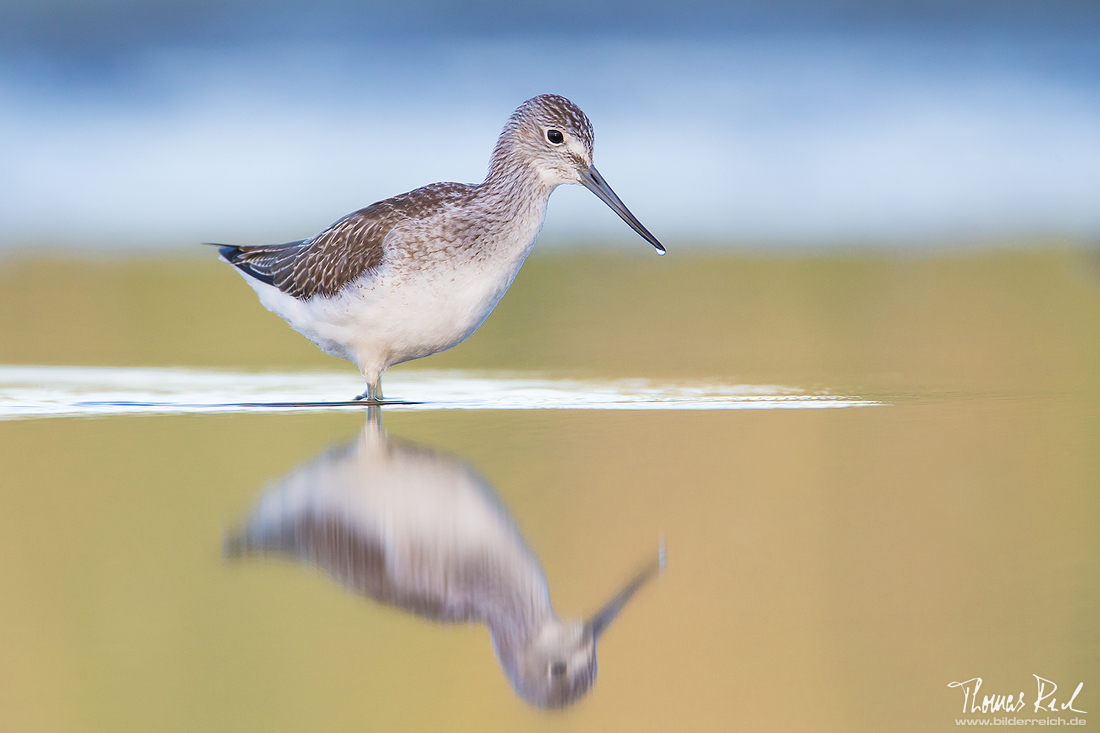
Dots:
pixel 603 618
pixel 594 182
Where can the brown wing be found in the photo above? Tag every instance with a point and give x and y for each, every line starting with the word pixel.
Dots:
pixel 473 584
pixel 325 263
pixel 349 248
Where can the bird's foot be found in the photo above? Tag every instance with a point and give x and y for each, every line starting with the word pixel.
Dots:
pixel 373 395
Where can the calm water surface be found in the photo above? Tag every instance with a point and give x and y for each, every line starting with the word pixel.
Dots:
pixel 828 569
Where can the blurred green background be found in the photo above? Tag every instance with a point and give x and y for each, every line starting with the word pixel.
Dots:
pixel 828 569
pixel 994 319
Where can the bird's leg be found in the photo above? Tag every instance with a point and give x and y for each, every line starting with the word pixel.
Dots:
pixel 373 393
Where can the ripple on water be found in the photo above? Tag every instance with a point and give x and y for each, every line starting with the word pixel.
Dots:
pixel 55 391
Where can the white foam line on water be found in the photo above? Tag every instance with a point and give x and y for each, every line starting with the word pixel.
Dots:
pixel 50 391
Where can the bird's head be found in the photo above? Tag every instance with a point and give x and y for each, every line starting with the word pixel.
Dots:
pixel 557 665
pixel 552 137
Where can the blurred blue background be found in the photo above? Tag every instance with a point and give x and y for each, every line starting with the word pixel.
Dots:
pixel 133 123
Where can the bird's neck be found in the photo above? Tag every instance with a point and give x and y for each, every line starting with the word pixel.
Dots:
pixel 514 195
pixel 516 619
pixel 514 173
pixel 512 644
pixel 514 180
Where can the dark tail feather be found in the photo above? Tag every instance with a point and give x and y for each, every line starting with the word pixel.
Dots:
pixel 219 245
pixel 231 253
pixel 234 546
pixel 250 540
pixel 228 251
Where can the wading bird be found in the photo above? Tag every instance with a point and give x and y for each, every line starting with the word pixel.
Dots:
pixel 416 274
pixel 425 533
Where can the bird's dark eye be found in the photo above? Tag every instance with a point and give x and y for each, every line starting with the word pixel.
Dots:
pixel 555 136
pixel 557 669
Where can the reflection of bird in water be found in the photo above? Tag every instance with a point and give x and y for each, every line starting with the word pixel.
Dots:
pixel 417 273
pixel 425 533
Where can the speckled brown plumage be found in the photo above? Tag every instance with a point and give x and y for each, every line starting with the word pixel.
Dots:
pixel 351 247
pixel 426 533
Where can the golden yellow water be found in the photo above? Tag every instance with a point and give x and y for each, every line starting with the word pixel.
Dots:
pixel 828 570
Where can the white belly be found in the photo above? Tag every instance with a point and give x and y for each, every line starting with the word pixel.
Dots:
pixel 395 314
pixel 440 278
